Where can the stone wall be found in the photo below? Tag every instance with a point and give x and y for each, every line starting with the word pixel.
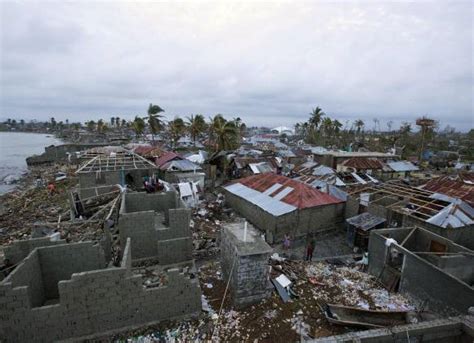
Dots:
pixel 90 302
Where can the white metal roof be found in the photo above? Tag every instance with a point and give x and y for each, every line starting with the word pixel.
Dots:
pixel 264 201
pixel 402 166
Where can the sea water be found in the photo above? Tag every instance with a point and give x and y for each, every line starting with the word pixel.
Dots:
pixel 15 147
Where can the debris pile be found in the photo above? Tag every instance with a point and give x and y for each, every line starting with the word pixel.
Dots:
pixel 206 225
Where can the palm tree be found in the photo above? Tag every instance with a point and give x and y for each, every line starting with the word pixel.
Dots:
pixel 124 123
pixel 154 119
pixel 138 126
pixel 196 126
pixel 359 124
pixel 316 117
pixel 117 121
pixel 177 128
pixel 337 125
pixel 112 121
pixel 225 133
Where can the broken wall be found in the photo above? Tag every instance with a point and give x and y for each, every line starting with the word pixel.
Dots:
pixel 420 278
pixel 90 302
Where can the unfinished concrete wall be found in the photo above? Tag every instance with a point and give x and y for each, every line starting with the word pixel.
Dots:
pixel 449 330
pixel 156 227
pixel 60 262
pixel 245 263
pixel 28 278
pixel 138 201
pixel 92 302
pixel 18 250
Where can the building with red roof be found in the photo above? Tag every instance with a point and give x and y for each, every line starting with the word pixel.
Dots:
pixel 279 205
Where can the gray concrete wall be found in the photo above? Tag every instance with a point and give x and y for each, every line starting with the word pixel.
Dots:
pixel 156 227
pixel 352 207
pixel 419 277
pixel 297 223
pixel 60 262
pixel 18 250
pixel 449 330
pixel 92 302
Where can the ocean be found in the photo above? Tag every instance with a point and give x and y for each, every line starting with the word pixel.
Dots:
pixel 15 147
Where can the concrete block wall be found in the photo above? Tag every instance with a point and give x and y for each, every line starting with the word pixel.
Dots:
pixel 297 223
pixel 92 302
pixel 60 262
pixel 352 207
pixel 18 250
pixel 247 267
pixel 449 330
pixel 169 242
pixel 419 278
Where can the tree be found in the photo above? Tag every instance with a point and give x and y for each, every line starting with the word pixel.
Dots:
pixel 177 128
pixel 316 117
pixel 196 126
pixel 154 119
pixel 124 123
pixel 53 122
pixel 359 124
pixel 225 134
pixel 337 125
pixel 101 126
pixel 112 121
pixel 138 126
pixel 90 125
pixel 117 121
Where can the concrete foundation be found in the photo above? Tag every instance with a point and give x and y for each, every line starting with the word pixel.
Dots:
pixel 244 259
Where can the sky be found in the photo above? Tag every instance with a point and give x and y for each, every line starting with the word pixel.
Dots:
pixel 268 63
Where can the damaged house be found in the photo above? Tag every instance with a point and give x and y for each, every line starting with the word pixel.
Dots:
pixel 278 205
pixel 428 267
pixel 175 169
pixel 72 291
pixel 406 206
pixel 110 167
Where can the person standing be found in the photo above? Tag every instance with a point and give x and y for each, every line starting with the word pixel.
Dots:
pixel 286 242
pixel 309 250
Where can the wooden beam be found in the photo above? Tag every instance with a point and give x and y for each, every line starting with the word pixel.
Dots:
pixel 408 237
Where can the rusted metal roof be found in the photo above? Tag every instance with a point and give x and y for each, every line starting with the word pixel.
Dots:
pixel 363 163
pixel 166 157
pixel 294 193
pixel 453 188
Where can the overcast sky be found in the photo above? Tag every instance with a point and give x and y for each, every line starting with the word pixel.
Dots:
pixel 268 63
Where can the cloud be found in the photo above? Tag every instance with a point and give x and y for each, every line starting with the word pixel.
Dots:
pixel 268 63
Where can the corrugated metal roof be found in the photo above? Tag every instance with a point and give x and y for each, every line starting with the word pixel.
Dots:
pixel 452 188
pixel 302 195
pixel 363 163
pixel 265 202
pixel 323 170
pixel 402 166
pixel 365 221
pixel 166 157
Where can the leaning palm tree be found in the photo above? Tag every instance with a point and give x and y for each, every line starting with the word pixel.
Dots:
pixel 154 119
pixel 196 125
pixel 100 126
